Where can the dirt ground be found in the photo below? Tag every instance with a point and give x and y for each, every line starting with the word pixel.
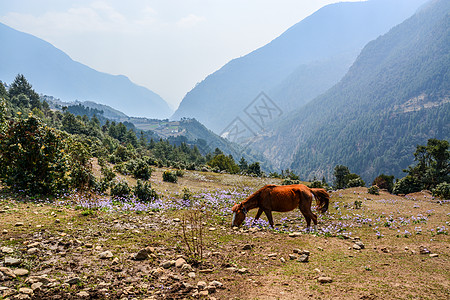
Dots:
pixel 367 247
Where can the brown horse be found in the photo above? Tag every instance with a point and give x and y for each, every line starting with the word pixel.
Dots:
pixel 282 198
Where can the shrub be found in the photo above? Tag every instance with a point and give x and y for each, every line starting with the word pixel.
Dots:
pixel 141 170
pixel 316 184
pixel 406 185
pixel 374 190
pixel 290 181
pixel 144 192
pixel 179 173
pixel 354 180
pixel 384 182
pixel 169 176
pixel 442 190
pixel 107 173
pixel 120 189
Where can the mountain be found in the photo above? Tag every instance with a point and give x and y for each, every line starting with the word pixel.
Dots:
pixel 395 96
pixel 315 53
pixel 53 72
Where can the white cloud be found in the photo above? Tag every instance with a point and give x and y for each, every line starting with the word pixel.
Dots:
pixel 190 21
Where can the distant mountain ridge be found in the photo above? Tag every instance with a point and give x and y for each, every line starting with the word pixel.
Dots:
pixel 395 96
pixel 319 49
pixel 53 72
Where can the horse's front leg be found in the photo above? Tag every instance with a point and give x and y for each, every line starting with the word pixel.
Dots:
pixel 269 217
pixel 258 214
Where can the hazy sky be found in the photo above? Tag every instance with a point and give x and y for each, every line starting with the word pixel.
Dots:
pixel 165 45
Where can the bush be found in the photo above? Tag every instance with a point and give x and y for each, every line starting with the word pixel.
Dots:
pixel 141 170
pixel 384 182
pixel 406 185
pixel 144 192
pixel 120 189
pixel 169 176
pixel 290 181
pixel 179 173
pixel 316 184
pixel 374 190
pixel 442 190
pixel 356 182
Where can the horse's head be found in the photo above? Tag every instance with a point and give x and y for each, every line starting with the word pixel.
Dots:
pixel 239 213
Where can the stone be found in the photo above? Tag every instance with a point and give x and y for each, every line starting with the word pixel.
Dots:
pixel 10 261
pixel 205 271
pixel 177 220
pixel 360 244
pixel 180 262
pixel 168 264
pixel 303 258
pixel 282 259
pixel 73 280
pixel 356 247
pixel 89 245
pixel 18 224
pixel 21 272
pixel 212 229
pixel 272 255
pixel 141 255
pixel 211 289
pixel 201 285
pixel 4 231
pixel 247 247
pixel 32 251
pixel 324 279
pixel 7 250
pixel 157 272
pixel 217 284
pixel 105 255
pixel 434 255
pixel 186 267
pixel 26 291
pixel 292 256
pixel 83 294
pixel 242 271
pixel 203 293
pixel 424 250
pixel 298 251
pixel 36 286
pixel 7 272
pixel 192 275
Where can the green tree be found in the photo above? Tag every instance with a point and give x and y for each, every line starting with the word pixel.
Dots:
pixel 243 165
pixel 254 168
pixel 384 182
pixel 224 163
pixel 340 174
pixel 21 86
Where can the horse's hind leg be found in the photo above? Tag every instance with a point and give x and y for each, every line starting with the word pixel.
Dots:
pixel 307 218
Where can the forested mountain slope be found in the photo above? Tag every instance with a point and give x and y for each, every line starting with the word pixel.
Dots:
pixel 394 97
pixel 315 54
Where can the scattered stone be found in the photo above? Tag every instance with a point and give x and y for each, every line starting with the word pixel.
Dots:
pixel 317 270
pixel 106 255
pixel 177 220
pixel 217 284
pixel 247 247
pixel 211 289
pixel 89 245
pixel 356 247
pixel 282 259
pixel 21 272
pixel 115 261
pixel 5 231
pixel 272 255
pixel 324 279
pixel 203 293
pixel 242 271
pixel 10 261
pixel 186 267
pixel 73 280
pixel 157 272
pixel 36 286
pixel 385 250
pixel 142 254
pixel 7 272
pixel 320 248
pixel 212 229
pixel 232 269
pixel 7 250
pixel 292 256
pixel 26 291
pixel 303 258
pixel 19 224
pixel 424 250
pixel 295 234
pixel 32 251
pixel 192 275
pixel 98 248
pixel 168 264
pixel 434 255
pixel 180 262
pixel 298 251
pixel 206 271
pixel 83 294
pixel 201 285
pixel 360 244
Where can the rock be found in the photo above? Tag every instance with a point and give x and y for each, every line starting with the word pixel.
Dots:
pixel 33 279
pixel 211 289
pixel 177 220
pixel 180 262
pixel 7 250
pixel 73 280
pixel 26 291
pixel 324 279
pixel 247 247
pixel 7 272
pixel 105 255
pixel 115 261
pixel 356 247
pixel 206 271
pixel 295 234
pixel 203 294
pixel 89 245
pixel 192 275
pixel 434 255
pixel 282 259
pixel 32 251
pixel 303 258
pixel 157 272
pixel 142 254
pixel 83 294
pixel 21 272
pixel 272 255
pixel 168 264
pixel 201 285
pixel 360 244
pixel 298 251
pixel 217 284
pixel 36 286
pixel 385 250
pixel 18 224
pixel 4 231
pixel 424 250
pixel 186 267
pixel 212 228
pixel 187 286
pixel 292 256
pixel 242 271
pixel 10 261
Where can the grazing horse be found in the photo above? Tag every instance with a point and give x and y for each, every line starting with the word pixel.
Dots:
pixel 282 198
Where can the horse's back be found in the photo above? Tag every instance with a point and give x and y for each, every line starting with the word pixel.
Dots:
pixel 284 198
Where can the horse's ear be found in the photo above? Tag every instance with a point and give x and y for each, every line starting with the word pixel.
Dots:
pixel 235 207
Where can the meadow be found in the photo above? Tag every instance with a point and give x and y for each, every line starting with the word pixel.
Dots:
pixel 182 246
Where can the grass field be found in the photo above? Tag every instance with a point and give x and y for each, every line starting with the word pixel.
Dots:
pixel 68 235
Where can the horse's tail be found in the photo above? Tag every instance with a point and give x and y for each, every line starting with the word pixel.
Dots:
pixel 322 197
